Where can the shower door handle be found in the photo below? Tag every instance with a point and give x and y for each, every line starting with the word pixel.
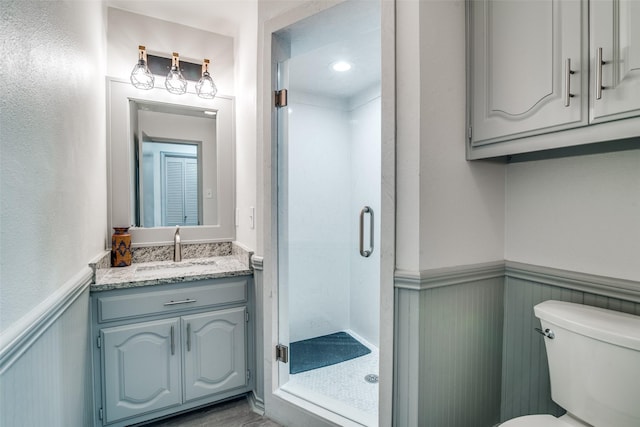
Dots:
pixel 368 252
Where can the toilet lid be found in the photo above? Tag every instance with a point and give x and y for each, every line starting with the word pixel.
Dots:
pixel 535 421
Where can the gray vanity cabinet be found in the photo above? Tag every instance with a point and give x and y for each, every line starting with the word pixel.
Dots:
pixel 141 368
pixel 214 357
pixel 167 348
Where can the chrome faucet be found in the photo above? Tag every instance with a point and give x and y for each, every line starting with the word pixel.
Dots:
pixel 177 247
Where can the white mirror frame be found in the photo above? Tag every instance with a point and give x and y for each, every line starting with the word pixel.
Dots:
pixel 119 157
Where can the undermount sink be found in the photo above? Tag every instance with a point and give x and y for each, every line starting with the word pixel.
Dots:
pixel 174 265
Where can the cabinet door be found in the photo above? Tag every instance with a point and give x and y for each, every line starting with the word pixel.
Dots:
pixel 519 52
pixel 215 352
pixel 141 368
pixel 615 29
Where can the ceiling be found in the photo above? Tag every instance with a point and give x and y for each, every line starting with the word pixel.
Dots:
pixel 220 16
pixel 348 32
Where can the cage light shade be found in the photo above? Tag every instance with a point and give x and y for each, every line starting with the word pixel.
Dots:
pixel 175 82
pixel 141 77
pixel 206 88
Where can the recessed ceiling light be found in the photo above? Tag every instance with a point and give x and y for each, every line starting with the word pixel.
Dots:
pixel 341 66
pixel 210 113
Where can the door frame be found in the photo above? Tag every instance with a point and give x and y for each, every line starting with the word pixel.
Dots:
pixel 279 404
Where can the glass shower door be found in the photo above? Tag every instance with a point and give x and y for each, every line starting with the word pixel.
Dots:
pixel 329 180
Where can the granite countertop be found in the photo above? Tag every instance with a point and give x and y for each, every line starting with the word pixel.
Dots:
pixel 165 272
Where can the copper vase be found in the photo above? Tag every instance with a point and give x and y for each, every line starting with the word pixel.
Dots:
pixel 121 247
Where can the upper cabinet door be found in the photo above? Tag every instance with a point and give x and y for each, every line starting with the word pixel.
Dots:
pixel 615 55
pixel 529 68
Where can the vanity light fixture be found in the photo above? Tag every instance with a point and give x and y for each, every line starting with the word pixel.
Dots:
pixel 141 77
pixel 206 88
pixel 341 66
pixel 175 83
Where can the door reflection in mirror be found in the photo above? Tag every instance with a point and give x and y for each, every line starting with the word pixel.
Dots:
pixel 170 179
pixel 175 178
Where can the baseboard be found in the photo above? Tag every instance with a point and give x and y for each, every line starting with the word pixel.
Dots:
pixel 257 404
pixel 22 334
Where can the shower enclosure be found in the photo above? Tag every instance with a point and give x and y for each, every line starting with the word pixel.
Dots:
pixel 329 185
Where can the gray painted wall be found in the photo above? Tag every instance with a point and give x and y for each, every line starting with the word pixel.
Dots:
pixel 50 383
pixel 525 373
pixel 465 350
pixel 460 362
pixel 449 349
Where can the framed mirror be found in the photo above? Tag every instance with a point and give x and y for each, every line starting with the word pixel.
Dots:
pixel 170 162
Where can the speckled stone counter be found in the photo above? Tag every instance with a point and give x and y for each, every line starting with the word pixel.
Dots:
pixel 157 270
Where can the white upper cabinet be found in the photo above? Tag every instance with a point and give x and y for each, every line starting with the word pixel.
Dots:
pixel 521 82
pixel 615 35
pixel 533 74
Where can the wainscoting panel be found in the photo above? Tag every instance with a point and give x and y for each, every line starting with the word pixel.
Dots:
pixel 460 363
pixel 48 381
pixel 449 347
pixel 525 374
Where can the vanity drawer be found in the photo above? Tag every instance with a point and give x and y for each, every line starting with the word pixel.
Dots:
pixel 157 302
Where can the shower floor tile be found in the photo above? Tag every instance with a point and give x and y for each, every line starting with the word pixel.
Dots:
pixel 342 387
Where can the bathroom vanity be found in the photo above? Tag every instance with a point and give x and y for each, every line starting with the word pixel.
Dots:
pixel 170 336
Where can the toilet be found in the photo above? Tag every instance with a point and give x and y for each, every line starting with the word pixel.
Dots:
pixel 594 366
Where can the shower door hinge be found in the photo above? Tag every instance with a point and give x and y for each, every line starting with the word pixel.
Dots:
pixel 282 353
pixel 281 98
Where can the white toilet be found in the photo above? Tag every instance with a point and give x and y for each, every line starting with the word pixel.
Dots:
pixel 594 366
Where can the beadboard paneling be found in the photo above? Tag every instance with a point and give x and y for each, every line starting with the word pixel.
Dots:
pixel 460 363
pixel 449 348
pixel 49 384
pixel 525 373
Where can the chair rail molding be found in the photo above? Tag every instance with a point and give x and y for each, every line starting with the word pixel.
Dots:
pixel 22 334
pixel 257 262
pixel 447 276
pixel 601 285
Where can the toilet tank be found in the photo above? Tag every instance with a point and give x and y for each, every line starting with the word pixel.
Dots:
pixel 594 362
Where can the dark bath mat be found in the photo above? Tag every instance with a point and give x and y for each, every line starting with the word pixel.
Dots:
pixel 324 351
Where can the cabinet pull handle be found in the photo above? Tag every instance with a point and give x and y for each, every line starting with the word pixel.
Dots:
pixel 567 83
pixel 173 343
pixel 599 63
pixel 368 252
pixel 188 336
pixel 185 301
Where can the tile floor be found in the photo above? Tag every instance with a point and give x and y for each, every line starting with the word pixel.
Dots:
pixel 232 413
pixel 342 388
